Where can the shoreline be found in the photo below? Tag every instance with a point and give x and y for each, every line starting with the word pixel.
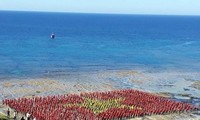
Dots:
pixel 167 84
pixel 177 83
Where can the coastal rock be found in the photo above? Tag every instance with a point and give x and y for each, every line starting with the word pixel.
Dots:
pixel 196 85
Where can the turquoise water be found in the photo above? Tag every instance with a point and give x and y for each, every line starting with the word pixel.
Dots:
pixel 88 42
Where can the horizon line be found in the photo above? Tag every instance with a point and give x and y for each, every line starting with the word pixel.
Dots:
pixel 38 11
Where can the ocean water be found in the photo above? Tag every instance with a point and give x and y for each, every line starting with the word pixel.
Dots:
pixel 88 42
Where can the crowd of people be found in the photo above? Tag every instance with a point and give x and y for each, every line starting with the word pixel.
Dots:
pixel 67 107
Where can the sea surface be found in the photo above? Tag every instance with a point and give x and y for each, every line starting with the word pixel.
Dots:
pixel 93 42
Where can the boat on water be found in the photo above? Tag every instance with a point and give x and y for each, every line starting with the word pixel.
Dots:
pixel 52 35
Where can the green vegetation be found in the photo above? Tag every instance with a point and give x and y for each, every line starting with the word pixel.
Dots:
pixel 3 117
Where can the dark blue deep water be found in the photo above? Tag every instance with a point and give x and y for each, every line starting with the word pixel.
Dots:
pixel 87 42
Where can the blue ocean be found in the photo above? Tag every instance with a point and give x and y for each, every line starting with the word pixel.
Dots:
pixel 92 42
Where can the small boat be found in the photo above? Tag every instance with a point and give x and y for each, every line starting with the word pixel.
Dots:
pixel 52 35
